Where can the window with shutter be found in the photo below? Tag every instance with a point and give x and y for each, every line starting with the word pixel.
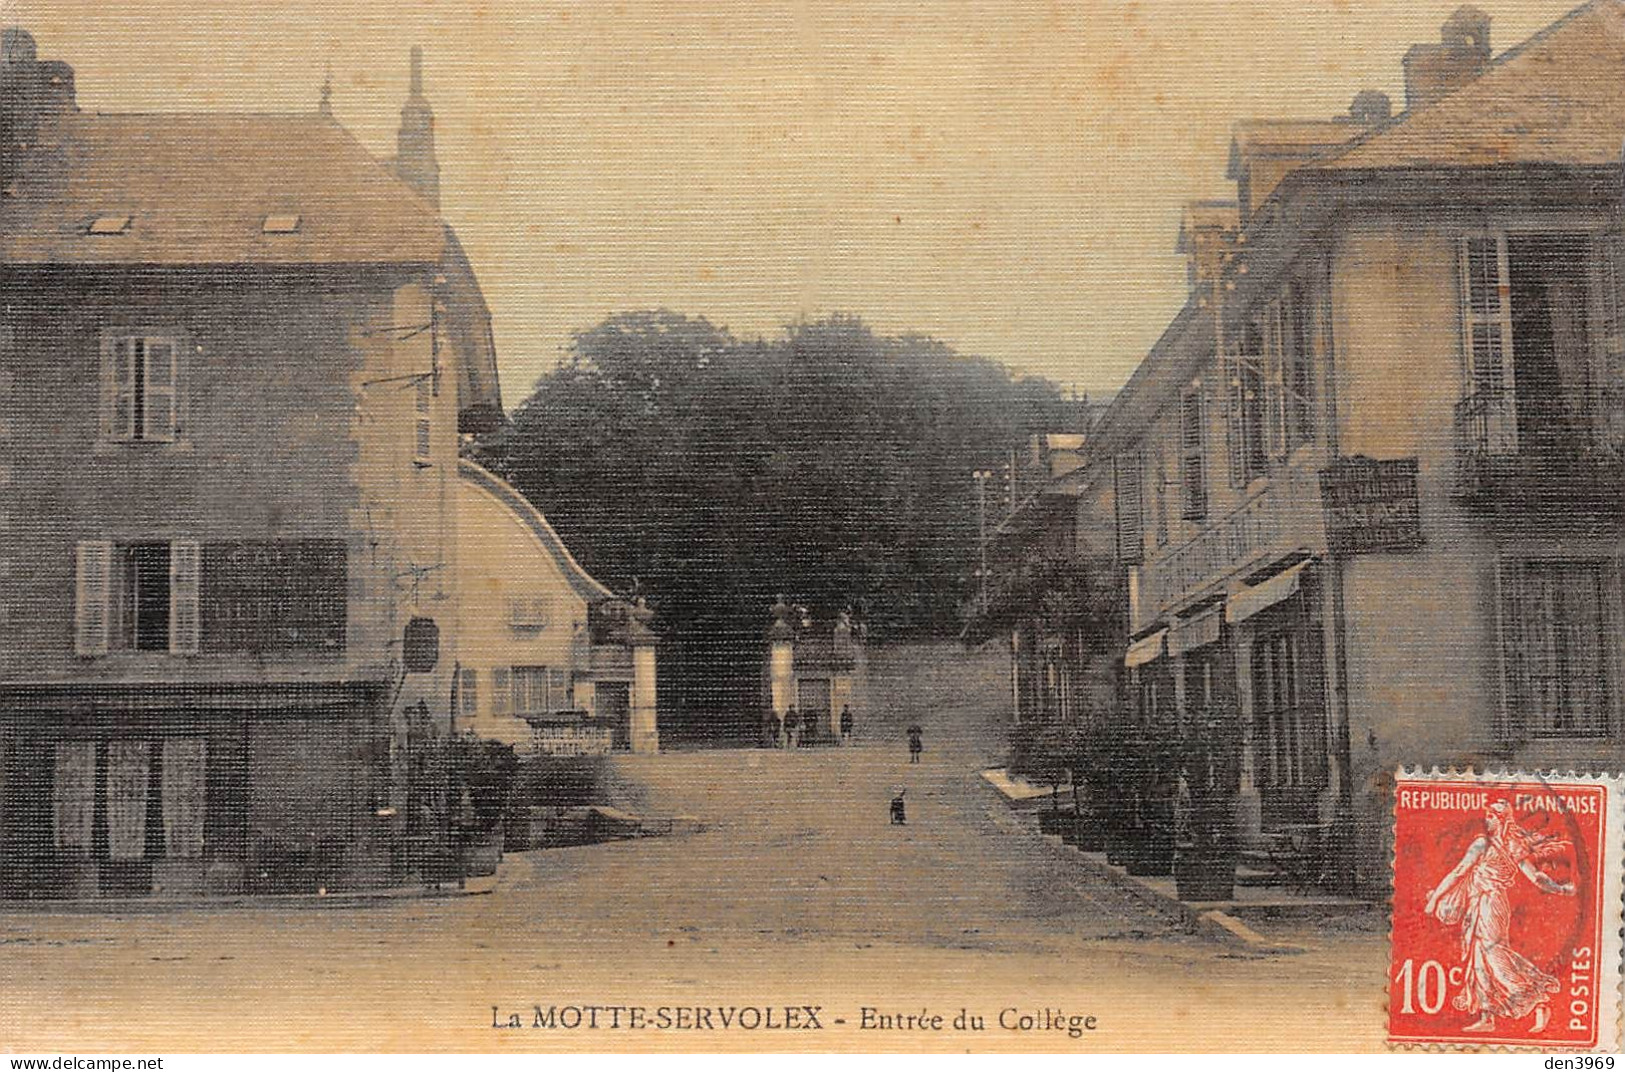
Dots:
pixel 1130 483
pixel 1273 375
pixel 1558 649
pixel 501 691
pixel 159 409
pixel 94 584
pixel 469 685
pixel 1609 275
pixel 1487 327
pixel 1301 346
pixel 140 387
pixel 184 565
pixel 1234 419
pixel 1192 462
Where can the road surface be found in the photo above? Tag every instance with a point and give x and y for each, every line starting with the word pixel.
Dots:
pixel 798 893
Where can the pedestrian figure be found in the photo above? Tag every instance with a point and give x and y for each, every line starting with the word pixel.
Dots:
pixel 846 724
pixel 899 813
pixel 915 743
pixel 792 728
pixel 770 729
pixel 776 728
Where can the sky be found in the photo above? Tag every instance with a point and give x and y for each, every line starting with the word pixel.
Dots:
pixel 1006 177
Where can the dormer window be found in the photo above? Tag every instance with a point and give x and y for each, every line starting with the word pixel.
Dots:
pixel 281 223
pixel 109 225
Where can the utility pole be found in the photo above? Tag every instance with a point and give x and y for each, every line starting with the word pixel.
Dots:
pixel 982 476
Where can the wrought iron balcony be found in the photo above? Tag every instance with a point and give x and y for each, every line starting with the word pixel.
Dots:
pixel 1550 451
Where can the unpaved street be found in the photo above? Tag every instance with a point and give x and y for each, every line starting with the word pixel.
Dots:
pixel 799 892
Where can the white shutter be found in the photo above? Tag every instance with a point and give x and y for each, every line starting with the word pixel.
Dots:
pixel 118 387
pixel 1129 476
pixel 93 597
pixel 158 422
pixel 184 567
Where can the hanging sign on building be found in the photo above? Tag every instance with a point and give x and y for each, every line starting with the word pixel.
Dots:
pixel 1371 506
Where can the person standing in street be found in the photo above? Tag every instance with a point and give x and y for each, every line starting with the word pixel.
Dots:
pixel 792 728
pixel 916 743
pixel 899 811
pixel 846 723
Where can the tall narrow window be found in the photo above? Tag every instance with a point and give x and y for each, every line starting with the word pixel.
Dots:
pixel 1273 333
pixel 1490 413
pixel 1557 634
pixel 468 685
pixel 1192 463
pixel 1298 379
pixel 140 385
pixel 501 691
pixel 1246 392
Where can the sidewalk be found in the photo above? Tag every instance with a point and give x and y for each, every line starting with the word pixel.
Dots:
pixel 155 905
pixel 1226 920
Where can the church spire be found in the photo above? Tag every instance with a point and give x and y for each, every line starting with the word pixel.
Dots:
pixel 415 160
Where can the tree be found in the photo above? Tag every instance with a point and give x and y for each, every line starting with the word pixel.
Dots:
pixel 829 463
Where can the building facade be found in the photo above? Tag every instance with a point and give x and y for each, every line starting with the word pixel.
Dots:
pixel 552 662
pixel 1367 487
pixel 235 354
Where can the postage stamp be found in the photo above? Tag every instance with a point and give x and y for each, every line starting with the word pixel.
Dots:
pixel 1506 911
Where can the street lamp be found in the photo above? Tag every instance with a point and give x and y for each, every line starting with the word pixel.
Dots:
pixel 982 476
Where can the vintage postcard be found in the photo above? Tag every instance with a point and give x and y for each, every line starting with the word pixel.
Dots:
pixel 537 527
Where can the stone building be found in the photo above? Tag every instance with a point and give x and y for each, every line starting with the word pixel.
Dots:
pixel 1368 485
pixel 236 354
pixel 552 661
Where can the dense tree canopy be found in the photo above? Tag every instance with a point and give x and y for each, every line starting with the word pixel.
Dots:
pixel 831 464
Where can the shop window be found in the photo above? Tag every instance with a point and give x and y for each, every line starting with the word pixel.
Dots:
pixel 1559 624
pixel 1289 725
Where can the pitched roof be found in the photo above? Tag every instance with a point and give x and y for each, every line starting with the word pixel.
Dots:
pixel 198 188
pixel 1558 98
pixel 583 583
pixel 1288 138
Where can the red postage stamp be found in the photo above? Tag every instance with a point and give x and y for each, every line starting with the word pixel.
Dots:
pixel 1506 911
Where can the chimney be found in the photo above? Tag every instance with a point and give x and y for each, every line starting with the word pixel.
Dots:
pixel 34 94
pixel 415 160
pixel 1463 51
pixel 1371 109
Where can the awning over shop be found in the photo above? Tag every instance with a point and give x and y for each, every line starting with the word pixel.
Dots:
pixel 1145 649
pixel 1197 631
pixel 1264 595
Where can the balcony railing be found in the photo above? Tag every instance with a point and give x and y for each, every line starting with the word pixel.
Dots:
pixel 1539 451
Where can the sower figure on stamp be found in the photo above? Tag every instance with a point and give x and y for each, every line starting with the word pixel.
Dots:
pixel 1498 981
